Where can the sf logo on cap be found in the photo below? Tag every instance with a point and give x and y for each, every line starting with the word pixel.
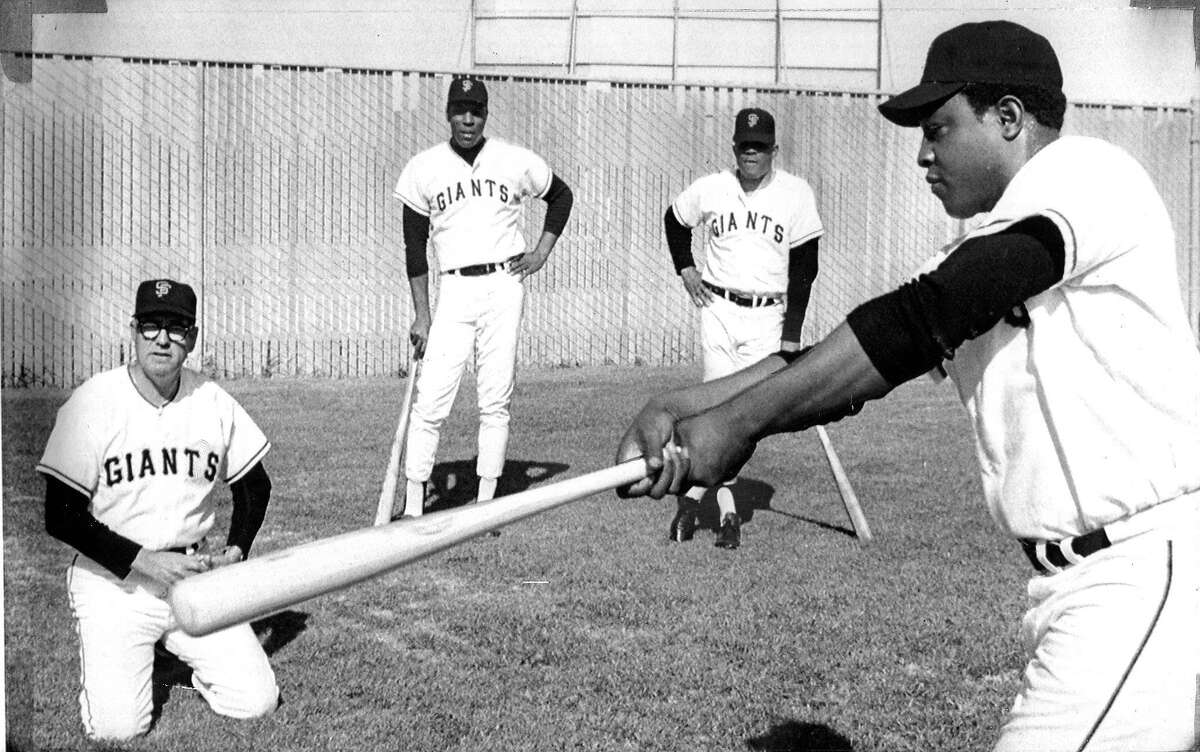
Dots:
pixel 161 288
pixel 466 86
pixel 752 119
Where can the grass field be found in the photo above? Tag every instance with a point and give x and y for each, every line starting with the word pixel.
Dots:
pixel 583 628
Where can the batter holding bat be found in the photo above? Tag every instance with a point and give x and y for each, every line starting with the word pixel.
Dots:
pixel 464 198
pixel 759 265
pixel 129 465
pixel 1060 321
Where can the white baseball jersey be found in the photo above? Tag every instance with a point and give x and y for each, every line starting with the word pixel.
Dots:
pixel 475 209
pixel 146 469
pixel 1092 411
pixel 750 235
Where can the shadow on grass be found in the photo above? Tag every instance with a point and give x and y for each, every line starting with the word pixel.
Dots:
pixel 758 496
pixel 453 484
pixel 273 632
pixel 279 629
pixel 794 736
pixel 751 495
pixel 848 532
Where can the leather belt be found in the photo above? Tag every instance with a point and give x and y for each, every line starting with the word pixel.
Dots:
pixel 1049 557
pixel 746 301
pixel 478 270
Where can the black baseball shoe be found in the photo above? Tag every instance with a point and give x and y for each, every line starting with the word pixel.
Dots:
pixel 730 534
pixel 683 527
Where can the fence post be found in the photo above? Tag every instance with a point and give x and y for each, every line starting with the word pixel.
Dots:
pixel 1194 210
pixel 199 202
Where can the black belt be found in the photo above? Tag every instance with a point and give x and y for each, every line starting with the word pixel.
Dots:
pixel 478 270
pixel 746 301
pixel 1062 554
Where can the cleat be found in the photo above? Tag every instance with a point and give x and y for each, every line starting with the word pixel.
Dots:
pixel 730 534
pixel 683 527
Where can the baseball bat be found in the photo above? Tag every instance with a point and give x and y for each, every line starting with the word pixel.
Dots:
pixel 849 498
pixel 264 585
pixel 387 495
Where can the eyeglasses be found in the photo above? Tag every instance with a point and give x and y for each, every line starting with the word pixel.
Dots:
pixel 177 333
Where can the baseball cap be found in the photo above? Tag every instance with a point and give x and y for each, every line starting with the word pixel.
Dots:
pixel 158 296
pixel 988 52
pixel 754 124
pixel 467 90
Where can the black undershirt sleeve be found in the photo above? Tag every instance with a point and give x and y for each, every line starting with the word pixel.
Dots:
pixel 802 272
pixel 68 519
pixel 416 238
pixel 911 330
pixel 559 200
pixel 251 493
pixel 679 241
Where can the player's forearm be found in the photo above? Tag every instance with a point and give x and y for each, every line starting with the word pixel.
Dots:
pixel 697 398
pixel 545 243
pixel 830 381
pixel 251 494
pixel 68 520
pixel 797 308
pixel 419 286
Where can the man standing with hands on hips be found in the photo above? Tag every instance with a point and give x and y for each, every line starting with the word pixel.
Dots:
pixel 129 465
pixel 1060 321
pixel 465 198
pixel 759 265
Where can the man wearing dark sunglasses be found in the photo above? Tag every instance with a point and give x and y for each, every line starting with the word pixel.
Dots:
pixel 760 260
pixel 129 465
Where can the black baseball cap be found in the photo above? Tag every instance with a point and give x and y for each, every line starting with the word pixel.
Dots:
pixel 165 296
pixel 467 90
pixel 754 124
pixel 988 52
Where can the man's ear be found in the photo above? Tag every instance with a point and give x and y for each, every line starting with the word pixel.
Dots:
pixel 1010 112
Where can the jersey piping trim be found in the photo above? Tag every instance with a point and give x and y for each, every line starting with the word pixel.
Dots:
pixel 133 383
pixel 88 717
pixel 235 477
pixel 75 485
pixel 808 237
pixel 1137 653
pixel 1065 223
pixel 423 211
pixel 542 194
pixel 679 219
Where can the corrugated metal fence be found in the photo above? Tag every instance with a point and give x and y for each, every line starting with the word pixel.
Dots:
pixel 269 189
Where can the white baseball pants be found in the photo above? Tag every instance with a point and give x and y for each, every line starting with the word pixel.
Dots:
pixel 1114 646
pixel 480 315
pixel 733 337
pixel 118 623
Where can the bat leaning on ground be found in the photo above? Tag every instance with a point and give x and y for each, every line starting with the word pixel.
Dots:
pixel 387 495
pixel 270 583
pixel 849 498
